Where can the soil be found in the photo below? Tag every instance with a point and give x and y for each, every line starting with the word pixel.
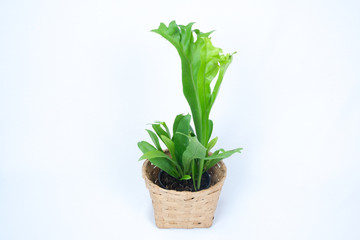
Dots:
pixel 172 183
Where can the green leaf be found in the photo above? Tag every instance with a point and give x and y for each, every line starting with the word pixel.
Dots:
pixel 180 136
pixel 176 122
pixel 160 154
pixel 159 131
pixel 194 150
pixel 166 166
pixel 184 125
pixel 219 155
pixel 212 143
pixel 165 126
pixel 161 162
pixel 201 62
pixel 223 154
pixel 155 139
pixel 209 58
pixel 185 177
pixel 195 171
pixel 210 128
pixel 182 39
pixel 170 145
pixel 154 154
pixel 145 146
pixel 224 64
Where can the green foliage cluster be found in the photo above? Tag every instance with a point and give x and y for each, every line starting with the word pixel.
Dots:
pixel 201 63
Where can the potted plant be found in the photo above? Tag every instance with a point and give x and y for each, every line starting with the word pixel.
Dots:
pixel 185 178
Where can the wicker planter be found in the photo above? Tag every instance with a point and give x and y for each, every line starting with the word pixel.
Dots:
pixel 175 209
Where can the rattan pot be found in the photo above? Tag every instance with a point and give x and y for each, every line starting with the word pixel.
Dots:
pixel 175 209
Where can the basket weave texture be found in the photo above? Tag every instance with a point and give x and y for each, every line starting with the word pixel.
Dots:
pixel 184 209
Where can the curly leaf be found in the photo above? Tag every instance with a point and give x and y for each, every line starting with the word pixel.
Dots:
pixel 181 37
pixel 224 64
pixel 201 62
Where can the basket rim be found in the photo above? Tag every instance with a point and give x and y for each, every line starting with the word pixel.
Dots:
pixel 209 190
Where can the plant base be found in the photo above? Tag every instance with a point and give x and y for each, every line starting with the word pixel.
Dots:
pixel 185 209
pixel 168 182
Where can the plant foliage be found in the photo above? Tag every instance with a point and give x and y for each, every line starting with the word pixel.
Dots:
pixel 185 150
pixel 201 63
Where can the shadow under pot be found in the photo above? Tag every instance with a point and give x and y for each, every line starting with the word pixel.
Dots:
pixel 168 182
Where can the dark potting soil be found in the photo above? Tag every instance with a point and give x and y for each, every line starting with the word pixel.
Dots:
pixel 172 183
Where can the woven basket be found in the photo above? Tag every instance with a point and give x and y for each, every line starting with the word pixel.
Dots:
pixel 184 209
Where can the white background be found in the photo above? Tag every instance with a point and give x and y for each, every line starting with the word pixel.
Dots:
pixel 79 81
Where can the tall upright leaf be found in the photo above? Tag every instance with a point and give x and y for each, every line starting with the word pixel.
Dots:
pixel 201 62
